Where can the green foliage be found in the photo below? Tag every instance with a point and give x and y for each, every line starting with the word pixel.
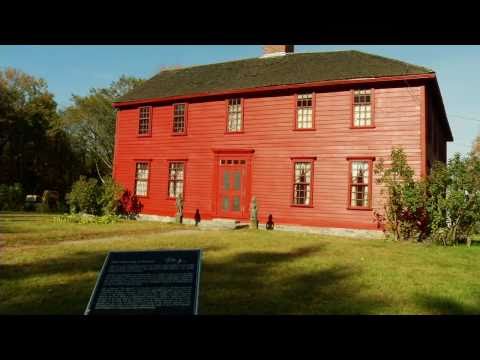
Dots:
pixel 82 218
pixel 43 148
pixel 405 197
pixel 11 197
pixel 454 199
pixel 443 208
pixel 90 121
pixel 34 150
pixel 85 196
pixel 110 196
pixel 94 198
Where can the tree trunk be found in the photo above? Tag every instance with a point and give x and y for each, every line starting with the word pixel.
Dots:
pixel 98 172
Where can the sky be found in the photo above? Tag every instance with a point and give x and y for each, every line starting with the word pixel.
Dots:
pixel 75 69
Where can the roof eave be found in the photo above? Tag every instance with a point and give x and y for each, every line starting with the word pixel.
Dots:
pixel 449 134
pixel 120 104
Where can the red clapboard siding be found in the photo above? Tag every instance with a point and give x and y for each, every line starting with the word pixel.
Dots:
pixel 268 129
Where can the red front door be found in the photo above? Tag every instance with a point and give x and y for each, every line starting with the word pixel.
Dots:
pixel 232 188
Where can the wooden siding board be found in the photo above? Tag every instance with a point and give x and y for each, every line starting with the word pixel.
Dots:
pixel 268 128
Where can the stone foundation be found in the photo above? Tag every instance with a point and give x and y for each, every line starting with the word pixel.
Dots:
pixel 228 224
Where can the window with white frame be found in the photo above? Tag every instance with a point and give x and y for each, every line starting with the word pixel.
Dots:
pixel 362 108
pixel 302 186
pixel 141 178
pixel 360 183
pixel 304 111
pixel 176 171
pixel 144 120
pixel 234 121
pixel 179 122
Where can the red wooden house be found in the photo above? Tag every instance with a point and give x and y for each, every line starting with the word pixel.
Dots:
pixel 299 131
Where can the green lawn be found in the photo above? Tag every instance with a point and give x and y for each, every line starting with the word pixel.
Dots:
pixel 50 268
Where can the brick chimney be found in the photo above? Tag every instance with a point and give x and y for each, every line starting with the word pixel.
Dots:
pixel 277 50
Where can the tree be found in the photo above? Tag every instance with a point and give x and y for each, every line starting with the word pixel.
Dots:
pixel 34 150
pixel 444 207
pixel 90 122
pixel 405 203
pixel 454 199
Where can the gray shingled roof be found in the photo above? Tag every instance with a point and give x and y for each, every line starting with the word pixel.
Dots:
pixel 259 72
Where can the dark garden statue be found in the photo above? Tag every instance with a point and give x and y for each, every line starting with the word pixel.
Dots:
pixel 270 224
pixel 179 205
pixel 253 214
pixel 197 217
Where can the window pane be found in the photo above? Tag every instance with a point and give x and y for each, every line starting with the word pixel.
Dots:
pixel 234 115
pixel 359 195
pixel 302 172
pixel 362 108
pixel 226 180
pixel 142 171
pixel 144 121
pixel 226 203
pixel 178 117
pixel 236 203
pixel 176 177
pixel 302 183
pixel 360 172
pixel 236 180
pixel 360 183
pixel 304 111
pixel 141 188
pixel 176 171
pixel 171 189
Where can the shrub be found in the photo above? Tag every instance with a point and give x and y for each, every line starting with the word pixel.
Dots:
pixel 85 196
pixel 405 207
pixel 110 196
pixel 443 208
pixel 130 205
pixel 454 199
pixel 11 197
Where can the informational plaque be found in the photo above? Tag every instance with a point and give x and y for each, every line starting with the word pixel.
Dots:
pixel 148 282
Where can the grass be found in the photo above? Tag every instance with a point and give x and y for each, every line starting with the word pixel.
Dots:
pixel 51 268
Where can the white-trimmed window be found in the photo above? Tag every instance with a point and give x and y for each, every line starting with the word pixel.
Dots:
pixel 176 173
pixel 362 108
pixel 302 194
pixel 360 184
pixel 235 118
pixel 179 118
pixel 144 120
pixel 304 111
pixel 141 178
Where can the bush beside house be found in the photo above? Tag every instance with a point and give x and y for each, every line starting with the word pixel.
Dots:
pixel 442 208
pixel 88 196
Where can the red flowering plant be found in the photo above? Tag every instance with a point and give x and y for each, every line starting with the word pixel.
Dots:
pixel 129 205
